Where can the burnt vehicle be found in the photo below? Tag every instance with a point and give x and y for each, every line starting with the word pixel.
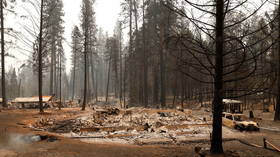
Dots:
pixel 239 122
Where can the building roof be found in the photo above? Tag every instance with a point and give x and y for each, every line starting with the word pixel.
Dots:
pixel 31 99
pixel 225 101
pixel 230 101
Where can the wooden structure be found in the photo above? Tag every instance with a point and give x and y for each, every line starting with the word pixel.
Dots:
pixel 31 101
pixel 232 106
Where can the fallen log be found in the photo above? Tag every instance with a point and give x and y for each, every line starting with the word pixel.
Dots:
pixel 60 125
pixel 84 137
pixel 36 129
pixel 249 144
pixel 273 146
pixel 155 141
pixel 121 136
pixel 108 136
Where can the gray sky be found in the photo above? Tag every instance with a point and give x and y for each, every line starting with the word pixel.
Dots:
pixel 107 12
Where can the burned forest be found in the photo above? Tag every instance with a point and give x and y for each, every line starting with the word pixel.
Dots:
pixel 145 78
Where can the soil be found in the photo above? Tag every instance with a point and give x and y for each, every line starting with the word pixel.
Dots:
pixel 11 127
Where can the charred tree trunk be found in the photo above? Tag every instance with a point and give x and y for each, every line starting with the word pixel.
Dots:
pixel 96 87
pixel 4 99
pixel 216 141
pixel 277 109
pixel 60 82
pixel 162 67
pixel 137 92
pixel 155 90
pixel 85 82
pixel 89 90
pixel 121 68
pixel 51 75
pixel 108 81
pixel 124 82
pixel 175 90
pixel 74 77
pixel 116 82
pixel 92 74
pixel 182 89
pixel 40 69
pixel 131 88
pixel 162 79
pixel 52 67
pixel 85 69
pixel 145 90
pixel 55 75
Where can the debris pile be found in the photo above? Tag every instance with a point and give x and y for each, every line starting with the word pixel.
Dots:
pixel 135 125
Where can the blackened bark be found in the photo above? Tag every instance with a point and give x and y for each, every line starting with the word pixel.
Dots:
pixel 85 68
pixel 96 87
pixel 183 89
pixel 277 109
pixel 108 81
pixel 251 114
pixel 55 73
pixel 136 75
pixel 85 82
pixel 162 79
pixel 116 82
pixel 156 86
pixel 130 53
pixel 74 74
pixel 40 69
pixel 175 90
pixel 60 81
pixel 216 141
pixel 162 66
pixel 124 81
pixel 53 53
pixel 145 60
pixel 121 68
pixel 4 100
pixel 92 74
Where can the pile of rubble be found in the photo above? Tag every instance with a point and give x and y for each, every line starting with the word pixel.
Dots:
pixel 135 125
